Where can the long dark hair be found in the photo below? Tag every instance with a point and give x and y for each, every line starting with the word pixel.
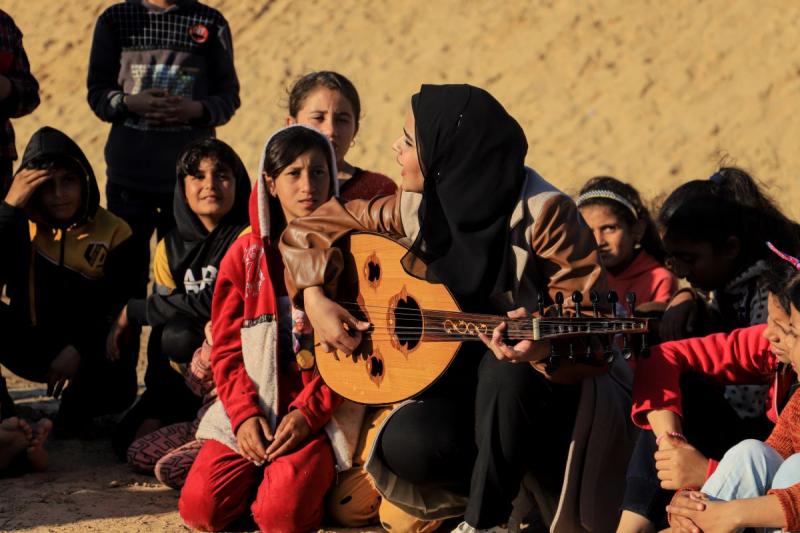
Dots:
pixel 651 241
pixel 728 204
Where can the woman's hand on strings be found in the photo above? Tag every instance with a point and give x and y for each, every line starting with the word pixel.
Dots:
pixel 523 351
pixel 333 325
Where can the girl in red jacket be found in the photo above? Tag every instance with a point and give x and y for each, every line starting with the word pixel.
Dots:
pixel 271 440
pixel 629 244
pixel 687 438
pixel 757 484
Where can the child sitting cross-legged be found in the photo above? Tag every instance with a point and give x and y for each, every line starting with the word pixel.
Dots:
pixel 757 484
pixel 65 267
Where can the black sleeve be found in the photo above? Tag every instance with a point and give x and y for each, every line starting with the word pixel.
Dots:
pixel 14 241
pixel 24 97
pixel 161 308
pixel 120 269
pixel 223 89
pixel 104 92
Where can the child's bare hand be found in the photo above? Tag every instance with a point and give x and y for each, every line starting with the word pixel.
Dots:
pixel 116 336
pixel 62 369
pixel 681 466
pixel 208 333
pixel 251 436
pixel 146 101
pixel 292 430
pixel 333 325
pixel 23 186
pixel 690 501
pixel 177 110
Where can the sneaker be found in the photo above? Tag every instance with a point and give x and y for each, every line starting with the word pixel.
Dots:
pixel 463 527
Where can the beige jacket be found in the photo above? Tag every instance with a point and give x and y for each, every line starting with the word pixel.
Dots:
pixel 551 248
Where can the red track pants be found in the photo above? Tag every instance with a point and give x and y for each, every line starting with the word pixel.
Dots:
pixel 289 492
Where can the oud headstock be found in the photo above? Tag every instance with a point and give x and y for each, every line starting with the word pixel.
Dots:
pixel 564 329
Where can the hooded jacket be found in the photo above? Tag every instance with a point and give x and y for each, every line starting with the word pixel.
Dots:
pixel 187 260
pixel 245 356
pixel 645 277
pixel 185 49
pixel 66 281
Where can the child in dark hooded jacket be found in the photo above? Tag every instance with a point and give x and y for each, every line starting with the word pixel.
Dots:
pixel 64 267
pixel 210 206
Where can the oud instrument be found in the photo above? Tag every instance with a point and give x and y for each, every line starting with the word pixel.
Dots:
pixel 417 329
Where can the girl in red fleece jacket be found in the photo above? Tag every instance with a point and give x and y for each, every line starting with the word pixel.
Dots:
pixel 753 355
pixel 273 434
pixel 757 484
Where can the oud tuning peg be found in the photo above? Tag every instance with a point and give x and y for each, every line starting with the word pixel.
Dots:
pixel 626 349
pixel 631 299
pixel 595 299
pixel 553 361
pixel 608 353
pixel 577 298
pixel 645 349
pixel 540 302
pixel 559 304
pixel 612 299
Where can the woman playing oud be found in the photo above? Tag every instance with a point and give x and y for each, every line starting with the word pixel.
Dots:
pixel 497 234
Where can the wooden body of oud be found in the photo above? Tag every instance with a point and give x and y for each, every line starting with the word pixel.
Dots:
pixel 390 365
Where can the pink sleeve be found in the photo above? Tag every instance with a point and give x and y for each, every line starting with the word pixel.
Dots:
pixel 741 356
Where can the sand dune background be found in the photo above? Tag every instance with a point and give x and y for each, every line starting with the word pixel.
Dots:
pixel 655 93
pixel 652 92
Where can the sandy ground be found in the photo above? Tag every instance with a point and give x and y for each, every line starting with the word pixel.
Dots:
pixel 655 93
pixel 86 488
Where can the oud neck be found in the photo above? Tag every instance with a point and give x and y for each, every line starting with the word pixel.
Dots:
pixel 448 326
pixel 465 326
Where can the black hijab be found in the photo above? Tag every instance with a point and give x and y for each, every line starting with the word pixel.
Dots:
pixel 472 156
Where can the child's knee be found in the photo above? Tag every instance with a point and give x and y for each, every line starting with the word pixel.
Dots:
pixel 286 518
pixel 199 508
pixel 749 451
pixel 788 474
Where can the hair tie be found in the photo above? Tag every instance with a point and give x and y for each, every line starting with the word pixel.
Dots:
pixel 607 195
pixel 795 262
pixel 717 178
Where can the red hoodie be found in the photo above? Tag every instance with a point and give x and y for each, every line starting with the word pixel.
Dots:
pixel 647 278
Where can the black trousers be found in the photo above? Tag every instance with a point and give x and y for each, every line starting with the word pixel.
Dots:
pixel 145 212
pixel 99 387
pixel 166 397
pixel 6 175
pixel 478 433
pixel 709 423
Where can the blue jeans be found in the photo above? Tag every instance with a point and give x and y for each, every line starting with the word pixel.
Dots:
pixel 749 470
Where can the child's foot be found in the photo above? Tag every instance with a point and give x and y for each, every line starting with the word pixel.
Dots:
pixel 37 455
pixel 15 436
